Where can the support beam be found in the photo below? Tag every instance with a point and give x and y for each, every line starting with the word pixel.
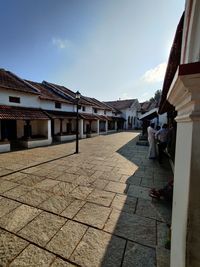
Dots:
pixel 184 94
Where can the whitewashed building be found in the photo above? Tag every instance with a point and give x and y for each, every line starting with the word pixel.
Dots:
pixel 37 114
pixel 129 112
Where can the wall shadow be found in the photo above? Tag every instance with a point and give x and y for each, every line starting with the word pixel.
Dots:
pixel 138 224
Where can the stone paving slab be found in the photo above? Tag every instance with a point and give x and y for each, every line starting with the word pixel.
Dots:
pixel 56 204
pixel 18 218
pixel 98 248
pixel 7 185
pixel 116 187
pixel 140 256
pixel 88 208
pixel 61 263
pixel 81 192
pixel 35 197
pixel 66 240
pixel 139 192
pixel 42 228
pixel 33 256
pixel 18 191
pixel 124 203
pixel 163 257
pixel 132 227
pixel 73 208
pixel 101 197
pixel 7 205
pixel 10 247
pixel 93 215
pixel 131 179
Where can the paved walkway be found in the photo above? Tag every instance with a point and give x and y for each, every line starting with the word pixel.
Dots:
pixel 92 209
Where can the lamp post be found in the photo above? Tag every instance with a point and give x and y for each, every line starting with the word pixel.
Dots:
pixel 78 95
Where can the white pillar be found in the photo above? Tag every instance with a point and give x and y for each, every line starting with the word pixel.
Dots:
pixel 106 126
pixel 81 128
pixel 49 131
pixel 115 125
pixel 97 126
pixel 184 94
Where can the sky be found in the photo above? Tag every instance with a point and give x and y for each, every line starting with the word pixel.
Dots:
pixel 107 49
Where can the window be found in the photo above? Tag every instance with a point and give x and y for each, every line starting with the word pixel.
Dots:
pixel 83 108
pixel 14 99
pixel 57 105
pixel 104 112
pixel 95 110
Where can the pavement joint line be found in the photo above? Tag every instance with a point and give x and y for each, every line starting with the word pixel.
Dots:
pixel 136 205
pixel 37 245
pixel 20 251
pixel 123 256
pixel 36 165
pixel 88 225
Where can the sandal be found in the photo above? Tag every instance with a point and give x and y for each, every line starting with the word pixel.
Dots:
pixel 154 194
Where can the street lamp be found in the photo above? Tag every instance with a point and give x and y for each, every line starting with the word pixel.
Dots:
pixel 78 95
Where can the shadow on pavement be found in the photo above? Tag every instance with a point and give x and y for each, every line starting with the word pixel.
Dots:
pixel 137 223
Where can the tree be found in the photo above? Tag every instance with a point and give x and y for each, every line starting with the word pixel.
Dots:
pixel 156 97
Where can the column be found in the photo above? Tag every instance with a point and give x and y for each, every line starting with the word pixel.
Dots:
pixel 81 128
pixel 97 126
pixel 185 246
pixel 27 130
pixel 61 126
pixel 49 130
pixel 106 125
pixel 115 125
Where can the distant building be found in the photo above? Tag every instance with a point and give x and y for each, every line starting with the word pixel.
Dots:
pixel 129 111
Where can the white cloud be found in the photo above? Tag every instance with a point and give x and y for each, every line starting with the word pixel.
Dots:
pixel 156 74
pixel 61 43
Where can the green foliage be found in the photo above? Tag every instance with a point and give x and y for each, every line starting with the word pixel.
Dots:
pixel 156 97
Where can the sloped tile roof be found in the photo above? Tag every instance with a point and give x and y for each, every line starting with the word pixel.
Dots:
pixel 20 113
pixel 66 93
pixel 121 104
pixel 10 81
pixel 54 114
pixel 48 94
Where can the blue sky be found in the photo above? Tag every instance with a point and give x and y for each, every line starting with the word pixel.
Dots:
pixel 108 49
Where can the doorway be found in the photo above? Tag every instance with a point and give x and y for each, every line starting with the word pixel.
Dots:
pixel 9 129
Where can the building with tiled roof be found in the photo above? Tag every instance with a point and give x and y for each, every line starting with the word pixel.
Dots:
pixel 10 81
pixel 129 109
pixel 35 114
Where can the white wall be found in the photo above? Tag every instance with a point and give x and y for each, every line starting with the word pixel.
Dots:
pixel 94 126
pixel 109 113
pixel 190 51
pixel 26 100
pixel 129 112
pixel 56 126
pixel 50 105
pixel 40 127
pixel 20 128
pixel 88 109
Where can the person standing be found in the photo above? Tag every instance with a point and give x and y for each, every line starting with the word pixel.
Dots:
pixel 162 137
pixel 152 144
